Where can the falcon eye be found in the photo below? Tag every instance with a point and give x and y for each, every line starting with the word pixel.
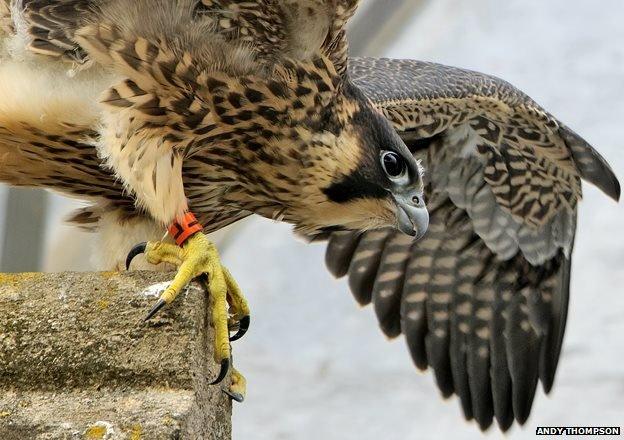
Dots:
pixel 393 164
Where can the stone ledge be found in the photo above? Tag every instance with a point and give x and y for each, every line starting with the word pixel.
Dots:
pixel 109 413
pixel 76 360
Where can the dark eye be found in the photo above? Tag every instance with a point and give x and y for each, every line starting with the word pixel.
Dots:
pixel 393 164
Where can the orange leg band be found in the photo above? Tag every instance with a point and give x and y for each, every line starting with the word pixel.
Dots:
pixel 184 227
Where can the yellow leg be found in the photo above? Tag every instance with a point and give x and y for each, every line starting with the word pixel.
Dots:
pixel 198 257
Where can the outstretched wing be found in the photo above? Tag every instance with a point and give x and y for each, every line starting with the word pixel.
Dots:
pixel 483 297
pixel 293 28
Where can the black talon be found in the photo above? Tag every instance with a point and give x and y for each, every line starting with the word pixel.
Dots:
pixel 137 250
pixel 225 366
pixel 243 326
pixel 159 305
pixel 234 396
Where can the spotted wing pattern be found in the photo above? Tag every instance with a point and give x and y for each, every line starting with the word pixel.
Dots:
pixel 483 297
pixel 291 28
pixel 532 162
pixel 65 160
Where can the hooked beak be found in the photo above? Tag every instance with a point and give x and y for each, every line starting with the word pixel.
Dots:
pixel 412 214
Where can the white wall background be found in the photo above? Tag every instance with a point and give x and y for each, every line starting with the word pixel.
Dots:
pixel 3 193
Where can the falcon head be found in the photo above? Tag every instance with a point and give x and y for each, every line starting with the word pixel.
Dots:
pixel 309 148
pixel 357 172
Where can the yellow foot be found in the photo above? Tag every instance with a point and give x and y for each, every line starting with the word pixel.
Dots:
pixel 198 258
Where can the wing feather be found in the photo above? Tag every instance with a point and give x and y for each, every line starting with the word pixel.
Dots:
pixel 341 246
pixel 482 298
pixel 297 29
pixel 365 264
pixel 388 285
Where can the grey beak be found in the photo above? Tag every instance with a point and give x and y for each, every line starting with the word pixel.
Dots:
pixel 412 214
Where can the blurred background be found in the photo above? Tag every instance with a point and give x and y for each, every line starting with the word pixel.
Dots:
pixel 317 367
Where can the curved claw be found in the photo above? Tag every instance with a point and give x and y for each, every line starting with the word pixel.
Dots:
pixel 225 366
pixel 159 305
pixel 136 250
pixel 243 326
pixel 234 396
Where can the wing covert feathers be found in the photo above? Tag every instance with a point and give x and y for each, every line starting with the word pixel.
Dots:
pixel 521 142
pixel 272 30
pixel 65 161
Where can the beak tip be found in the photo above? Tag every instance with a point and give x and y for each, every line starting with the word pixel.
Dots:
pixel 413 221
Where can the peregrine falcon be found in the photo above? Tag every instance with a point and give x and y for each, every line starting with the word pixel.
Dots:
pixel 188 115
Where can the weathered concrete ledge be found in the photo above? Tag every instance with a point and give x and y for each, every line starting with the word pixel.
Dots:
pixel 77 361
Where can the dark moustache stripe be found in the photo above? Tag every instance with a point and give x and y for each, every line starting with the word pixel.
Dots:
pixel 354 187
